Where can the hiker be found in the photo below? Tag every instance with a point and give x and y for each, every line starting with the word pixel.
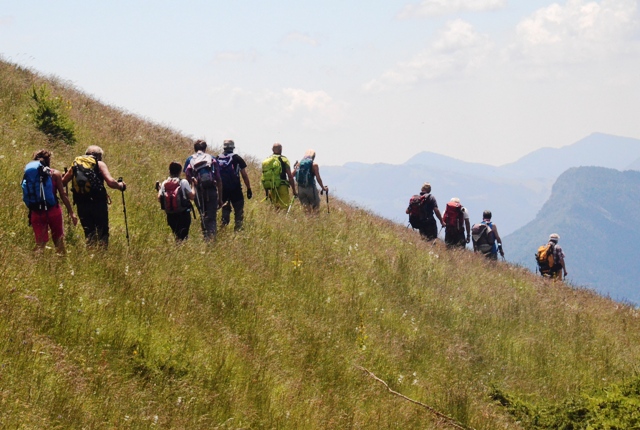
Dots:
pixel 486 239
pixel 550 258
pixel 421 209
pixel 277 178
pixel 203 173
pixel 88 176
pixel 456 219
pixel 232 166
pixel 41 186
pixel 175 197
pixel 306 173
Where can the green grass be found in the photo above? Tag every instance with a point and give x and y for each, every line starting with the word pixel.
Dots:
pixel 265 328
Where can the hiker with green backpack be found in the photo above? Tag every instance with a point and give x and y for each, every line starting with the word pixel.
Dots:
pixel 306 173
pixel 41 186
pixel 550 259
pixel 486 239
pixel 277 178
pixel 88 176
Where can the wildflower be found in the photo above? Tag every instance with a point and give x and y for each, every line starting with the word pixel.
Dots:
pixel 400 379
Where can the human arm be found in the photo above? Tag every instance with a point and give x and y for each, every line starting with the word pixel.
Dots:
pixel 498 240
pixel 292 183
pixel 436 211
pixel 245 178
pixel 191 194
pixel 112 183
pixel 68 175
pixel 468 225
pixel 57 179
pixel 316 172
pixel 218 182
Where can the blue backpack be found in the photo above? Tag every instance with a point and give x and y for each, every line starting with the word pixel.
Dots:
pixel 229 172
pixel 304 174
pixel 37 187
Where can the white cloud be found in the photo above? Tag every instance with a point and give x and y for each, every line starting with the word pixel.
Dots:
pixel 457 49
pixel 294 107
pixel 235 57
pixel 577 32
pixel 297 37
pixel 428 8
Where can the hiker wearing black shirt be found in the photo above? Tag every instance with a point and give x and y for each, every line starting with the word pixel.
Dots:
pixel 93 207
pixel 232 167
pixel 428 208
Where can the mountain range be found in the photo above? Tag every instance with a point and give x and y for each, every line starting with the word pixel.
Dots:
pixel 514 192
pixel 596 211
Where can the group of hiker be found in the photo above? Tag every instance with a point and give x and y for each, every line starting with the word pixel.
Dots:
pixel 212 183
pixel 216 183
pixel 423 211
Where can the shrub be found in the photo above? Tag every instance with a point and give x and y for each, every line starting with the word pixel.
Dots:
pixel 50 115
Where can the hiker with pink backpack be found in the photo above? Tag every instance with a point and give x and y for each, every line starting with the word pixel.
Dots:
pixel 175 196
pixel 456 219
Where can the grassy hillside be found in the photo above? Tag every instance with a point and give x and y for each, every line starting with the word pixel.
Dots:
pixel 596 212
pixel 270 327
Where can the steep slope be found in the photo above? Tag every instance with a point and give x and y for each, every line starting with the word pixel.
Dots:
pixel 596 211
pixel 266 328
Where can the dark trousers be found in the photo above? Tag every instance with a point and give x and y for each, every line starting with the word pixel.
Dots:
pixel 207 203
pixel 94 218
pixel 233 199
pixel 455 237
pixel 180 223
pixel 429 230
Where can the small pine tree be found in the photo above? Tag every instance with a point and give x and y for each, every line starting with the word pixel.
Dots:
pixel 50 116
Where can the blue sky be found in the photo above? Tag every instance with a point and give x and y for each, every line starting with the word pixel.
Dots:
pixel 480 80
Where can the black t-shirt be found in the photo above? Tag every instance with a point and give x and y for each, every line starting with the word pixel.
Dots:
pixel 428 207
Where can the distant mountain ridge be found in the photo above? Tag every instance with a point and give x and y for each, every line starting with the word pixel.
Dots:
pixel 596 211
pixel 514 192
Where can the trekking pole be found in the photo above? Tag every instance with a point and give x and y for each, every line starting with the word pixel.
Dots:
pixel 328 201
pixel 290 204
pixel 124 209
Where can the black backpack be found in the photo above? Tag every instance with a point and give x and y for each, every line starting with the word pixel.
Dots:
pixel 229 172
pixel 483 240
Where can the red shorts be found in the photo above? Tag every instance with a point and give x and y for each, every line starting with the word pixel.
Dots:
pixel 41 221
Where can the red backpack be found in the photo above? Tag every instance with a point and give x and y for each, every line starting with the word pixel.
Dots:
pixel 416 217
pixel 175 200
pixel 453 217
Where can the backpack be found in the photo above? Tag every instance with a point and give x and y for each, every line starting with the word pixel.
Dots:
pixel 304 174
pixel 203 170
pixel 545 259
pixel 272 172
pixel 416 213
pixel 483 240
pixel 174 199
pixel 229 172
pixel 37 187
pixel 87 182
pixel 453 216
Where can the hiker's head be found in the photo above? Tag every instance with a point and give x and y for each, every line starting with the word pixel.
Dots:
pixel 175 168
pixel 310 154
pixel 554 237
pixel 486 215
pixel 426 187
pixel 95 151
pixel 277 148
pixel 455 200
pixel 228 146
pixel 44 156
pixel 199 145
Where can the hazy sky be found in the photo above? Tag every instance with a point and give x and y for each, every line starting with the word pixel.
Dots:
pixel 479 80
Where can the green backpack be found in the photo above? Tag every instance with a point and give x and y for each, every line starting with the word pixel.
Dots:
pixel 272 172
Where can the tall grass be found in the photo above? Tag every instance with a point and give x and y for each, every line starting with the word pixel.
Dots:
pixel 264 328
